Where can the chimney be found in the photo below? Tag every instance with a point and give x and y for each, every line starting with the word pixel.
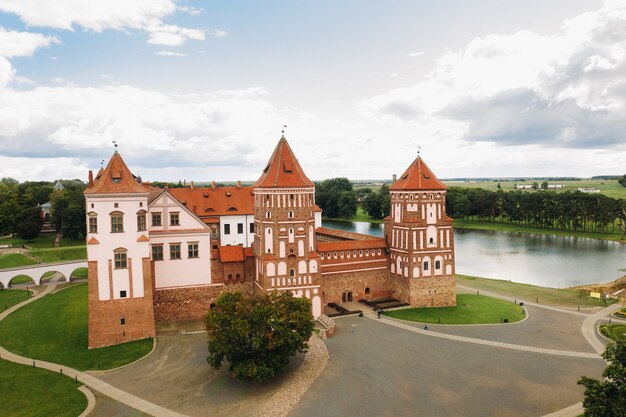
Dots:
pixel 214 185
pixel 90 178
pixel 185 183
pixel 239 185
pixel 395 178
pixel 193 186
pixel 167 187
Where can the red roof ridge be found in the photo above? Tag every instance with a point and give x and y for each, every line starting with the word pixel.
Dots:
pixel 115 178
pixel 417 177
pixel 283 169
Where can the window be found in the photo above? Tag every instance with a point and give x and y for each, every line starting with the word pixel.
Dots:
pixel 156 219
pixel 93 223
pixel 192 250
pixel 227 229
pixel 292 272
pixel 122 322
pixel 140 204
pixel 425 266
pixel 437 264
pixel 141 221
pixel 268 214
pixel 157 252
pixel 123 295
pixel 117 222
pixel 290 214
pixel 367 291
pixel 240 228
pixel 174 219
pixel 251 227
pixel 174 250
pixel 116 205
pixel 120 258
pixel 431 240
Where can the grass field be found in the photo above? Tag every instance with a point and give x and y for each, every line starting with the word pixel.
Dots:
pixel 32 392
pixel 22 279
pixel 8 298
pixel 503 227
pixel 526 292
pixel 610 188
pixel 613 331
pixel 41 242
pixel 54 329
pixel 470 309
pixel 61 254
pixel 11 260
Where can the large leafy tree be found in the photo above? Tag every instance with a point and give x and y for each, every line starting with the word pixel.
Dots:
pixel 608 398
pixel 257 334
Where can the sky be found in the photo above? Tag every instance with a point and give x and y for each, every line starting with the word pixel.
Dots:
pixel 201 90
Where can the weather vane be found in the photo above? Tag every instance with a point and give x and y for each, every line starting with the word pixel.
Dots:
pixel 419 148
pixel 284 127
pixel 115 144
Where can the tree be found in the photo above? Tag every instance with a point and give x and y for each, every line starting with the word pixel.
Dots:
pixel 622 180
pixel 535 185
pixel 28 230
pixel 74 223
pixel 607 398
pixel 385 200
pixel 347 204
pixel 544 185
pixel 257 334
pixel 372 205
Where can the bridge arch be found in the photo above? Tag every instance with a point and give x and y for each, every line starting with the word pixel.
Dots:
pixel 37 272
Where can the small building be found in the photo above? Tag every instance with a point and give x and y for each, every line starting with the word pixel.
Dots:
pixel 523 186
pixel 588 190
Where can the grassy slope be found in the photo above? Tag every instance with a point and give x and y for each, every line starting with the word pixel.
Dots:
pixel 11 260
pixel 61 254
pixel 470 309
pixel 42 242
pixel 9 298
pixel 613 331
pixel 32 392
pixel 526 292
pixel 55 329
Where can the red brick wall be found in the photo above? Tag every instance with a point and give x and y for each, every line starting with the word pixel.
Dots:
pixel 104 321
pixel 333 285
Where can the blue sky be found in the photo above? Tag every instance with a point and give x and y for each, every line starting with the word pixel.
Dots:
pixel 200 90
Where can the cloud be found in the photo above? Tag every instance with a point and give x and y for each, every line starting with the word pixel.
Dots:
pixel 97 16
pixel 566 89
pixel 13 43
pixel 416 54
pixel 219 33
pixel 169 53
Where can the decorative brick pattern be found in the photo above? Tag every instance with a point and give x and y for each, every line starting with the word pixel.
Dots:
pixel 333 286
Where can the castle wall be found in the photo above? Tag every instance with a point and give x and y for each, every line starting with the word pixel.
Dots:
pixel 116 321
pixel 424 292
pixel 333 285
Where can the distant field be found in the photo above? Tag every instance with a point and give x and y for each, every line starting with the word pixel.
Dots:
pixel 610 188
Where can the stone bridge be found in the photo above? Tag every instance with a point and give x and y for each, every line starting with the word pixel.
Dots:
pixel 37 272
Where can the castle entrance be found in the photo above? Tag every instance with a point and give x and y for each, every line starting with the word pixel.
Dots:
pixel 346 296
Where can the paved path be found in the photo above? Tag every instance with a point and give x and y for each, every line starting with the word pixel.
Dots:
pixel 590 323
pixel 89 380
pixel 405 326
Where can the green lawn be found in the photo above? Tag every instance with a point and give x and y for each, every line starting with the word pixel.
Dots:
pixel 80 273
pixel 470 309
pixel 11 260
pixel 8 298
pixel 54 329
pixel 22 279
pixel 61 254
pixel 526 292
pixel 613 331
pixel 33 392
pixel 42 242
pixel 504 227
pixel 621 313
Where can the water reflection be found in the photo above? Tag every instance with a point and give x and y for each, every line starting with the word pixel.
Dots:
pixel 547 260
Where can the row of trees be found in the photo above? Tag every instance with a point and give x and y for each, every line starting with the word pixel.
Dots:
pixel 571 211
pixel 338 198
pixel 20 211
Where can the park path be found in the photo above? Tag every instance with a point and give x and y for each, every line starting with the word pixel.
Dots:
pixel 89 380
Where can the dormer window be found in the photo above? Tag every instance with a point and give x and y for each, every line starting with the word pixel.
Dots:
pixel 116 180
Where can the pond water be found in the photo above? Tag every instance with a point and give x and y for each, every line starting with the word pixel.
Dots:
pixel 546 260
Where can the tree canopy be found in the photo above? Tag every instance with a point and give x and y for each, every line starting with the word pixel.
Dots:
pixel 607 398
pixel 257 334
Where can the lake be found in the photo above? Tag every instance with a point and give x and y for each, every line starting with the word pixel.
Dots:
pixel 546 260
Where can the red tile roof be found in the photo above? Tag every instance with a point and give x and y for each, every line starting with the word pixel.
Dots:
pixel 376 243
pixel 283 169
pixel 343 234
pixel 231 254
pixel 317 209
pixel 418 177
pixel 248 252
pixel 221 201
pixel 115 178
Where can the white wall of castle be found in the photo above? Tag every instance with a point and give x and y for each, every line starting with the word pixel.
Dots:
pixel 102 207
pixel 246 238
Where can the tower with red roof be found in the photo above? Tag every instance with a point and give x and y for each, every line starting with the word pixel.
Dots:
pixel 120 272
pixel 284 229
pixel 420 238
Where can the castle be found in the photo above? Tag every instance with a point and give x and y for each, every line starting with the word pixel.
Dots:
pixel 166 254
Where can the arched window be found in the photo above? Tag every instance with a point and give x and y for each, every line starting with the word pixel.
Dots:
pixel 292 272
pixel 230 278
pixel 290 214
pixel 120 257
pixel 437 264
pixel 268 214
pixel 367 291
pixel 93 222
pixel 431 240
pixel 237 277
pixel 426 266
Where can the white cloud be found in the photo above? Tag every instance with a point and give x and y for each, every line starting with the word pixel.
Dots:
pixel 416 54
pixel 14 43
pixel 566 89
pixel 98 15
pixel 6 71
pixel 194 11
pixel 169 53
pixel 219 33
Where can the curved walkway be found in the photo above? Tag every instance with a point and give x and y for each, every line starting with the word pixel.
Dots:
pixel 89 380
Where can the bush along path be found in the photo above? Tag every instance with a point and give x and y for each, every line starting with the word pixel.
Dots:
pixel 89 380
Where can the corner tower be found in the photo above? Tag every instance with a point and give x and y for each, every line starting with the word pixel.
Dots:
pixel 284 232
pixel 420 238
pixel 118 253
